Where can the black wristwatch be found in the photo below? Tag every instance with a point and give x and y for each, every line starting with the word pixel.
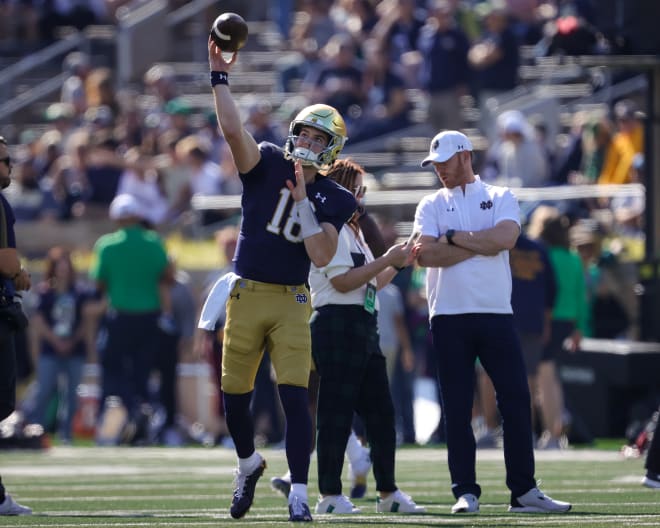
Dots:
pixel 450 236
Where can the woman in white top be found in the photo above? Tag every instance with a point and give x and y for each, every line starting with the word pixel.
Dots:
pixel 349 361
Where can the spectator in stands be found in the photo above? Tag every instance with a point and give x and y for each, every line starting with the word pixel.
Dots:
pixel 177 116
pixel 98 119
pixel 61 117
pixel 59 13
pixel 100 90
pixel 605 283
pixel 160 82
pixel 48 149
pixel 569 317
pixel 596 142
pixel 174 172
pixel 445 71
pixel 629 210
pixel 259 121
pixel 77 65
pixel 68 176
pixel 398 29
pixel 143 182
pixel 494 58
pixel 358 17
pixel 526 21
pixel 19 26
pixel 570 34
pixel 340 80
pixel 26 198
pixel 582 160
pixel 58 327
pixel 466 18
pixel 204 176
pixel 311 31
pixel 231 181
pixel 517 157
pixel 626 143
pixel 387 107
pixel 129 129
pixel 547 142
pixel 103 173
pixel 569 157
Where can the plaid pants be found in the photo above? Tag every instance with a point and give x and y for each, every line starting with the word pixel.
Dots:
pixel 353 378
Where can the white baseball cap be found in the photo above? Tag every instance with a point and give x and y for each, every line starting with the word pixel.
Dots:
pixel 445 144
pixel 125 206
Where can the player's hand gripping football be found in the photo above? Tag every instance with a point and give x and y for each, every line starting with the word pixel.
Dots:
pixel 217 62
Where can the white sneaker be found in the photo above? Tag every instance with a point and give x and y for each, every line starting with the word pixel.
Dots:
pixel 466 503
pixel 535 501
pixel 651 480
pixel 398 502
pixel 11 507
pixel 357 473
pixel 336 504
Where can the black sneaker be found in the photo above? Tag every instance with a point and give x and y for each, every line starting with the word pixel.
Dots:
pixel 299 511
pixel 244 492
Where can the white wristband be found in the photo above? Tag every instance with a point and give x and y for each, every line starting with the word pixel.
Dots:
pixel 309 225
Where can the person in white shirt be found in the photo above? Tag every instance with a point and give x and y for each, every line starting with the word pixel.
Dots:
pixel 348 359
pixel 466 231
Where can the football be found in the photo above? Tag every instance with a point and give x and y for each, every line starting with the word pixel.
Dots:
pixel 229 32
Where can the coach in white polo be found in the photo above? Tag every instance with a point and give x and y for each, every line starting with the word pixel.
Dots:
pixel 467 229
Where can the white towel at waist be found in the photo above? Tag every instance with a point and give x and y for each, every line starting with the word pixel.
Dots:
pixel 216 303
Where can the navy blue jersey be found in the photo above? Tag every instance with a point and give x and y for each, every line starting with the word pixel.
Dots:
pixel 534 289
pixel 270 247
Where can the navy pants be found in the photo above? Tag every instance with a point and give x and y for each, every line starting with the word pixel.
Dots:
pixel 458 341
pixel 133 341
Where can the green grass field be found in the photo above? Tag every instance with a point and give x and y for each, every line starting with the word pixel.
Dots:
pixel 191 487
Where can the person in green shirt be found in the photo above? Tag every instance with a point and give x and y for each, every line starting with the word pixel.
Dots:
pixel 131 267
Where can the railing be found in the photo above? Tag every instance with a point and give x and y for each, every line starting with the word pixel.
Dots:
pixel 81 40
pixel 400 197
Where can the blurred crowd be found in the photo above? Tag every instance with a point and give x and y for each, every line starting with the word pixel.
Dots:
pixel 377 62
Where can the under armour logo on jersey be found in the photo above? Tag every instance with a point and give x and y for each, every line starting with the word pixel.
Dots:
pixel 486 205
pixel 320 197
pixel 301 298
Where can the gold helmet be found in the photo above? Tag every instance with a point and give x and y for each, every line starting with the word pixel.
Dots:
pixel 326 119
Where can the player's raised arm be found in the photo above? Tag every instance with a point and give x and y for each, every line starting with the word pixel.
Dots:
pixel 242 144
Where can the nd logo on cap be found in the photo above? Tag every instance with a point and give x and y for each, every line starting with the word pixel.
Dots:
pixel 445 144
